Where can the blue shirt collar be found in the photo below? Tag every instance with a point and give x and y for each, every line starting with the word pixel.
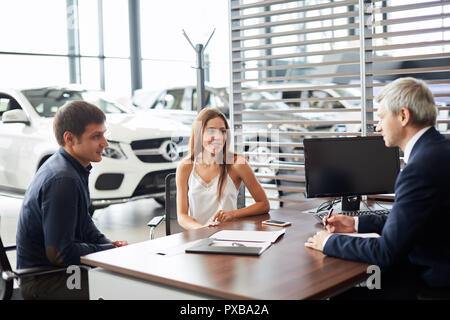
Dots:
pixel 75 163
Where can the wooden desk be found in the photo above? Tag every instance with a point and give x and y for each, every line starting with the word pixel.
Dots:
pixel 287 270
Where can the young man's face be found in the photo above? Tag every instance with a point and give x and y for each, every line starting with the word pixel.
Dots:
pixel 89 147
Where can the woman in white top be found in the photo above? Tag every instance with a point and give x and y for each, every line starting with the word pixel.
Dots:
pixel 208 180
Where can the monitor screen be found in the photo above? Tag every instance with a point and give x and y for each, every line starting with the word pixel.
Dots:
pixel 336 167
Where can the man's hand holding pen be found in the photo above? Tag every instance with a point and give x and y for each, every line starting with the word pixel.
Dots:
pixel 339 223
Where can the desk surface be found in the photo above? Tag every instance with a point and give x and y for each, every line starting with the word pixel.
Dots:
pixel 287 270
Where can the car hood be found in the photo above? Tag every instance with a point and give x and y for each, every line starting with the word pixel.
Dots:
pixel 130 127
pixel 185 117
pixel 127 128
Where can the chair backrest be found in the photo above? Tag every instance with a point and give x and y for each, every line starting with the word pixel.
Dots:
pixel 171 202
pixel 6 287
pixel 4 262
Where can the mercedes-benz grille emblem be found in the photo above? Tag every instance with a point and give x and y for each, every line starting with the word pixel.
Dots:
pixel 170 150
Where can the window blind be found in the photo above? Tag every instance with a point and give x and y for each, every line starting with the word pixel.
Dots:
pixel 311 69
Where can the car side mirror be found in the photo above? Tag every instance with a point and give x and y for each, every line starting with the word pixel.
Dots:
pixel 15 116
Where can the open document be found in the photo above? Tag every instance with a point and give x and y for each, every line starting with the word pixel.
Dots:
pixel 239 242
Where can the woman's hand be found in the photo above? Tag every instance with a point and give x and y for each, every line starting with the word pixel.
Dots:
pixel 222 216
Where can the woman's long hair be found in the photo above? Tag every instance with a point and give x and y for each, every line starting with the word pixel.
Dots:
pixel 196 143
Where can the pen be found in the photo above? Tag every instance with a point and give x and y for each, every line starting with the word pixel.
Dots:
pixel 328 216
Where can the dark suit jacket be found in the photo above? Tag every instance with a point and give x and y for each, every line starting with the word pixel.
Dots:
pixel 418 226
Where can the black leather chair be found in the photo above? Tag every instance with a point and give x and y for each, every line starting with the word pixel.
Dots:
pixel 171 219
pixel 170 216
pixel 7 290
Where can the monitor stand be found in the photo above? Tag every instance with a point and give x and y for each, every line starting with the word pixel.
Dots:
pixel 350 203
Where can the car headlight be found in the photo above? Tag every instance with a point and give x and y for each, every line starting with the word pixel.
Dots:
pixel 114 151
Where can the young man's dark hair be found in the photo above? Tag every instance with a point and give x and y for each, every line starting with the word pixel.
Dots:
pixel 55 228
pixel 74 116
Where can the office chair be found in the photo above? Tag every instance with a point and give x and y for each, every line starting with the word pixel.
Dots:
pixel 170 216
pixel 8 275
pixel 170 209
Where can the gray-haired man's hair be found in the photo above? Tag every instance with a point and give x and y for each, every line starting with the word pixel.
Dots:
pixel 413 94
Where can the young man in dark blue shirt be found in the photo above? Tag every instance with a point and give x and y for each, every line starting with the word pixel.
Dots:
pixel 55 228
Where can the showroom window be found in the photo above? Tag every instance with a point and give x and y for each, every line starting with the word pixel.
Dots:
pixel 33 42
pixel 168 60
pixel 90 42
pixel 29 26
pixel 58 42
pixel 307 61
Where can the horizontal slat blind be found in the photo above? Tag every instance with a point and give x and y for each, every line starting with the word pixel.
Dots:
pixel 412 38
pixel 300 69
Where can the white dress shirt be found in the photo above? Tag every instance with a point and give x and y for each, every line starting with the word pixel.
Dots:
pixel 409 146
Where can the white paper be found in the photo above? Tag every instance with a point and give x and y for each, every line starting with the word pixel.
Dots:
pixel 252 236
pixel 361 235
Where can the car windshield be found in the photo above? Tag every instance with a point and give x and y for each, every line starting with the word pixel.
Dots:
pixel 47 101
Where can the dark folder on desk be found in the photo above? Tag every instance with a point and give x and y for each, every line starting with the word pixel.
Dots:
pixel 210 245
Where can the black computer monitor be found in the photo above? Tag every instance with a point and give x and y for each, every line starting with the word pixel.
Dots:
pixel 349 167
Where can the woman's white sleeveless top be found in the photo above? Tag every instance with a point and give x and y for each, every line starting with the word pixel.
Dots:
pixel 203 204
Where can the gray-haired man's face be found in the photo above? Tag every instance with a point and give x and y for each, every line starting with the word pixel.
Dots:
pixel 389 125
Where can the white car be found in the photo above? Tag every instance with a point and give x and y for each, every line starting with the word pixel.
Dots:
pixel 143 148
pixel 180 102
